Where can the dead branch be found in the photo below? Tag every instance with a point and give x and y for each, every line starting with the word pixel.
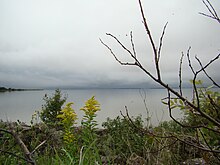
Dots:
pixel 203 68
pixel 159 81
pixel 36 148
pixel 161 42
pixel 157 78
pixel 211 10
pixel 24 148
pixel 132 44
pixel 120 62
pixel 180 74
pixel 156 59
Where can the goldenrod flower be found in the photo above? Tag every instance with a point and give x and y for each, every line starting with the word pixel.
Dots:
pixel 68 137
pixel 68 115
pixel 91 106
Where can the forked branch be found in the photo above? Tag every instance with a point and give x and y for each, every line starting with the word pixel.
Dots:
pixel 212 11
pixel 157 55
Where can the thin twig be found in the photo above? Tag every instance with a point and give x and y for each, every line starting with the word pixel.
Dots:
pixel 109 34
pixel 36 148
pixel 161 41
pixel 189 61
pixel 203 68
pixel 120 62
pixel 180 74
pixel 151 41
pixel 211 10
pixel 132 44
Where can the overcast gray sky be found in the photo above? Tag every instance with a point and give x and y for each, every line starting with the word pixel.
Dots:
pixel 55 43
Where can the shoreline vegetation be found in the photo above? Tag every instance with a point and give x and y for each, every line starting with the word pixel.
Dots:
pixel 54 137
pixel 4 89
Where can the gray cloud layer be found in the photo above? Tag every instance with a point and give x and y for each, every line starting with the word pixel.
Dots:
pixel 53 43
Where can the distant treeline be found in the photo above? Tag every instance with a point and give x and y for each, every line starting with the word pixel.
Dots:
pixel 4 89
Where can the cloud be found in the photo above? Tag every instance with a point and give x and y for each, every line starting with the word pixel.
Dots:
pixel 56 43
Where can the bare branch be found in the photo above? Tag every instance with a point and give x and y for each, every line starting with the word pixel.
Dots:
pixel 203 68
pixel 189 61
pixel 24 148
pixel 36 148
pixel 18 140
pixel 198 146
pixel 132 44
pixel 180 74
pixel 120 62
pixel 161 42
pixel 207 144
pixel 170 113
pixel 109 34
pixel 158 78
pixel 209 63
pixel 151 41
pixel 211 10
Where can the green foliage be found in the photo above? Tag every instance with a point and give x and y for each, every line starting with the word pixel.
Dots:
pixel 122 138
pixel 209 103
pixel 199 127
pixel 52 108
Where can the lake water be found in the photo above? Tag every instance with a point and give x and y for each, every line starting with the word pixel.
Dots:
pixel 20 105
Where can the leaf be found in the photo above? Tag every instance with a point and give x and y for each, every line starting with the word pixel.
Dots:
pixel 181 102
pixel 175 100
pixel 164 102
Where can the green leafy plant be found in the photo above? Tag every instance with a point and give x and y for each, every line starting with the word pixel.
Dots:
pixel 52 108
pixel 88 134
pixel 122 139
pixel 88 122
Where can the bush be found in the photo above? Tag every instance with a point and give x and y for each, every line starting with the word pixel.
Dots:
pixel 52 108
pixel 122 139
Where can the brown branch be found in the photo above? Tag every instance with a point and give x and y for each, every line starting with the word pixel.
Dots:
pixel 18 140
pixel 189 61
pixel 197 146
pixel 170 113
pixel 215 106
pixel 207 144
pixel 203 68
pixel 132 44
pixel 163 147
pixel 211 10
pixel 120 62
pixel 161 41
pixel 36 148
pixel 24 148
pixel 151 41
pixel 180 74
pixel 109 34
pixel 130 120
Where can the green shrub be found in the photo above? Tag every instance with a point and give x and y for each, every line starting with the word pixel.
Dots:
pixel 122 138
pixel 52 108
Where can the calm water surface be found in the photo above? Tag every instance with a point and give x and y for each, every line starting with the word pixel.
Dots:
pixel 20 105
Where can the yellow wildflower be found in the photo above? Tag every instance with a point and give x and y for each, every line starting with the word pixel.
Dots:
pixel 68 115
pixel 68 137
pixel 91 106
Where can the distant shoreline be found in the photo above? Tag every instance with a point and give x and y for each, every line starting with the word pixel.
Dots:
pixel 4 89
